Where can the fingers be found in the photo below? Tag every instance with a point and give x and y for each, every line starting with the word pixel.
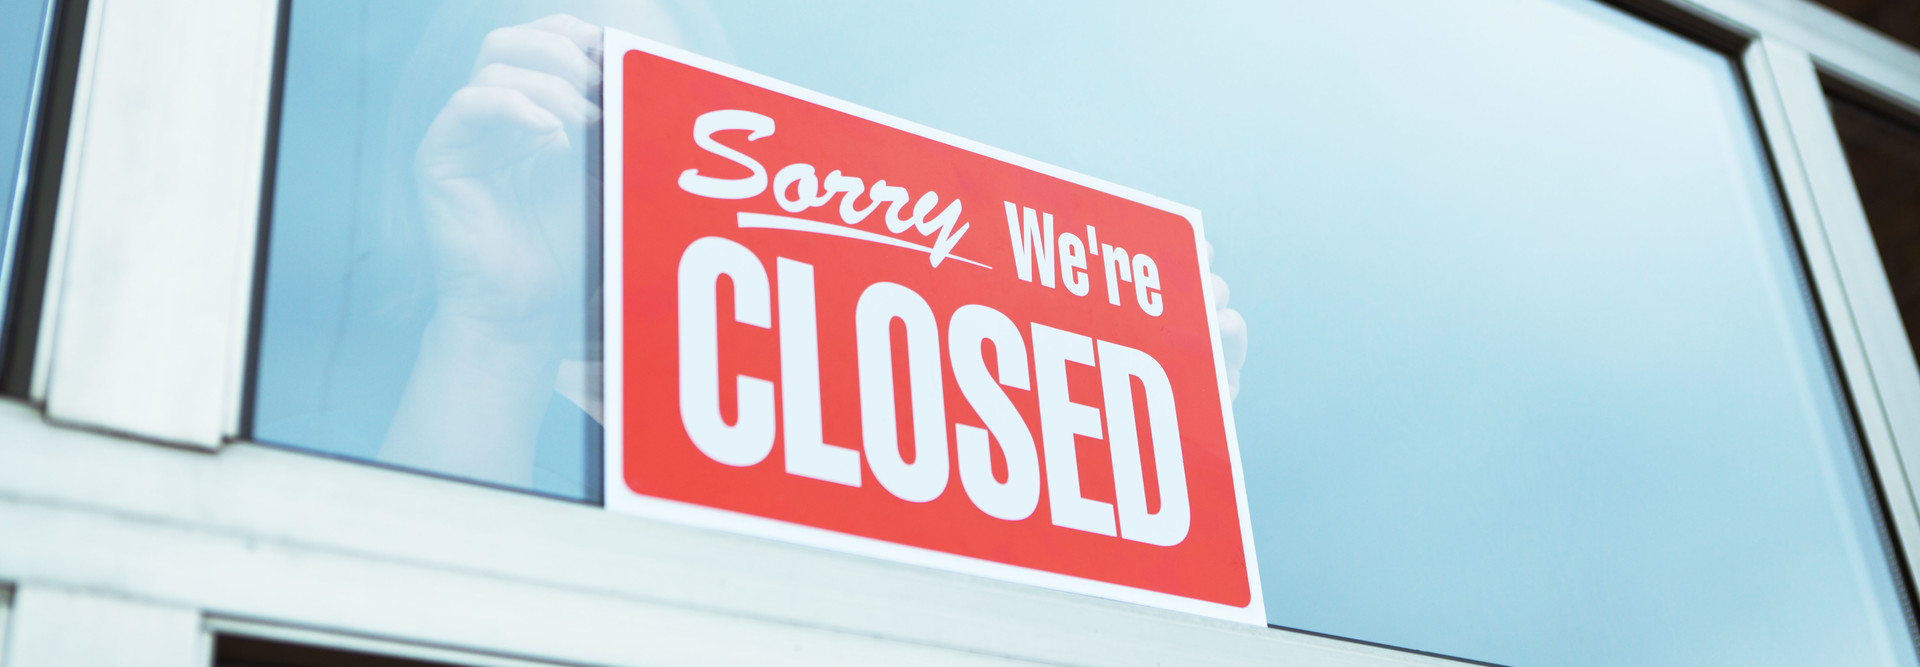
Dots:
pixel 1233 337
pixel 539 50
pixel 555 95
pixel 1233 327
pixel 484 127
pixel 531 83
pixel 479 104
pixel 583 34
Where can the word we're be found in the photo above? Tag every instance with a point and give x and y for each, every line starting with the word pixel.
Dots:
pixel 1033 239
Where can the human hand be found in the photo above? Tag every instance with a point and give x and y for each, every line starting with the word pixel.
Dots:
pixel 504 181
pixel 502 176
pixel 1233 328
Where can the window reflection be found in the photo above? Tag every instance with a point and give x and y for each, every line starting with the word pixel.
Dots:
pixel 432 291
pixel 432 294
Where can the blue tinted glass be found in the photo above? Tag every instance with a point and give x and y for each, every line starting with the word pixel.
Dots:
pixel 1532 375
pixel 429 294
pixel 23 26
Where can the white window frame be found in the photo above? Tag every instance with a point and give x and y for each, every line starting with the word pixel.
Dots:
pixel 144 340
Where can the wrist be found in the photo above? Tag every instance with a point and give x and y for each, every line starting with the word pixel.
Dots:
pixel 518 353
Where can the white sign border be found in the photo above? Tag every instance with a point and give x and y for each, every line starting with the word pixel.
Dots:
pixel 619 498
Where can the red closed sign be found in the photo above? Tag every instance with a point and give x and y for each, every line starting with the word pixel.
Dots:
pixel 830 326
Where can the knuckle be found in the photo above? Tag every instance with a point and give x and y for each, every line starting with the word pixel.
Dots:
pixel 550 42
pixel 494 72
pixel 500 37
pixel 485 96
pixel 545 81
pixel 472 94
pixel 563 23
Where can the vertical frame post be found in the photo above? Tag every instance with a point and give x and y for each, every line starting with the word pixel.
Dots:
pixel 55 626
pixel 1875 363
pixel 150 285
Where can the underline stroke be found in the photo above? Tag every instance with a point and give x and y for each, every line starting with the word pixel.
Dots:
pixel 765 221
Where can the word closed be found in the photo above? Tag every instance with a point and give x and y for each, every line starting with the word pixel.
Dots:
pixel 828 326
pixel 971 330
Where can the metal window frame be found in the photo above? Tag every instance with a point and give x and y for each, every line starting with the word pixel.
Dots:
pixel 1865 333
pixel 60 625
pixel 264 534
pixel 144 337
pixel 150 278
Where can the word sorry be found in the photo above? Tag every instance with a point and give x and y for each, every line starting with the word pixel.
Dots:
pixel 798 186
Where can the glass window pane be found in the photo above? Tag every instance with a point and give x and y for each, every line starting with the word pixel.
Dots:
pixel 1884 156
pixel 23 32
pixel 430 283
pixel 1532 374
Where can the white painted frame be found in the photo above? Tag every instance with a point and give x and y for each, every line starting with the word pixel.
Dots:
pixel 301 542
pixel 1863 322
pixel 144 339
pixel 150 279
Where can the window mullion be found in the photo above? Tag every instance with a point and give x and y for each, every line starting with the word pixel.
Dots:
pixel 149 298
pixel 1863 323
